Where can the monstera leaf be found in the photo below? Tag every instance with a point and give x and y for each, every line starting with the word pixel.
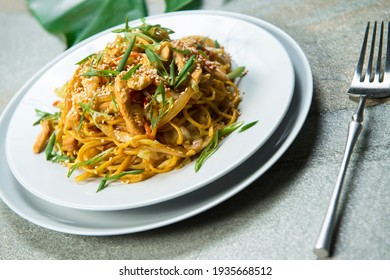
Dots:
pixel 175 5
pixel 77 20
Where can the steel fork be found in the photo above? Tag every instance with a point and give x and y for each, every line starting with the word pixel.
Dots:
pixel 373 83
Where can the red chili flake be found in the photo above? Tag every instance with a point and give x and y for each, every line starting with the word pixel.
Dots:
pixel 148 131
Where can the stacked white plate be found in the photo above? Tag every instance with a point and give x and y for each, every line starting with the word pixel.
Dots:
pixel 277 92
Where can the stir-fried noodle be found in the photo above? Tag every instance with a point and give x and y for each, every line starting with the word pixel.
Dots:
pixel 144 105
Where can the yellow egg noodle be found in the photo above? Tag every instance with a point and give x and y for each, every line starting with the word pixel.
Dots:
pixel 144 105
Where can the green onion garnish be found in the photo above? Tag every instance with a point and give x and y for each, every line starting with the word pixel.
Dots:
pixel 214 144
pixel 155 59
pixel 160 91
pixel 85 59
pixel 46 116
pixel 247 126
pixel 114 102
pixel 50 156
pixel 96 159
pixel 126 55
pixel 101 73
pixel 185 71
pixel 185 51
pixel 87 109
pixel 50 146
pixel 236 73
pixel 131 72
pixel 107 178
pixel 172 72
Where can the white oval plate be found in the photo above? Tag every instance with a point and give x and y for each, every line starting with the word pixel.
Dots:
pixel 267 92
pixel 82 222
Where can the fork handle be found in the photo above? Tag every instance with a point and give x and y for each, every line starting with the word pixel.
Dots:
pixel 324 242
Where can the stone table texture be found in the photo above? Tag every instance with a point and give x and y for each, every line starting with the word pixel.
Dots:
pixel 280 214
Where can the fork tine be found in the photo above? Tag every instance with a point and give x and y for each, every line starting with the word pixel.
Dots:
pixel 387 66
pixel 369 79
pixel 379 58
pixel 359 67
pixel 371 57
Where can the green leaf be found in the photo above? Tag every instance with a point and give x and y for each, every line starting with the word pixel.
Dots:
pixel 175 5
pixel 77 20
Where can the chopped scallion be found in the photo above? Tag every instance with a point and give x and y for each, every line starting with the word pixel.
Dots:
pixel 126 55
pixel 155 59
pixel 96 159
pixel 85 109
pixel 214 143
pixel 114 102
pixel 101 73
pixel 46 116
pixel 207 151
pixel 107 178
pixel 50 146
pixel 131 72
pixel 236 73
pixel 172 73
pixel 85 59
pixel 49 151
pixel 165 105
pixel 185 71
pixel 185 51
pixel 247 126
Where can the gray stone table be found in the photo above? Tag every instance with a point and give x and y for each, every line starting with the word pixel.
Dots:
pixel 279 215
